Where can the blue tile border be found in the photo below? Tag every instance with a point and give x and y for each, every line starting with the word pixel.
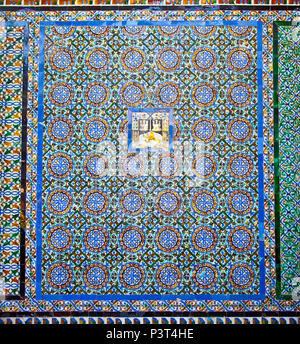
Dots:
pixel 261 295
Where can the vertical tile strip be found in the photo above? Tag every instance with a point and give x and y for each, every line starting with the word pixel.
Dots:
pixel 286 149
pixel 13 160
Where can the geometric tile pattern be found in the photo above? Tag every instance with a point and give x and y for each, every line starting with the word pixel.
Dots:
pixel 102 308
pixel 287 104
pixel 116 224
pixel 13 62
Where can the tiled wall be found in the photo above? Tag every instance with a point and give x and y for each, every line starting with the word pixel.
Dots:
pixel 270 300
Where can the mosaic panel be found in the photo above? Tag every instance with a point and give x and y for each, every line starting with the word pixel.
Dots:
pixel 12 65
pixel 270 304
pixel 287 104
pixel 160 228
